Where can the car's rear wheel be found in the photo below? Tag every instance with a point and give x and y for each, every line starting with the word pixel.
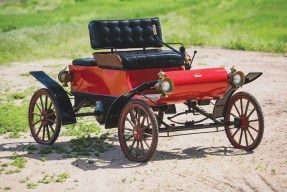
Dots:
pixel 138 131
pixel 245 109
pixel 44 120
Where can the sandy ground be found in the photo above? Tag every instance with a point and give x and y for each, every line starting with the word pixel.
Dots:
pixel 189 162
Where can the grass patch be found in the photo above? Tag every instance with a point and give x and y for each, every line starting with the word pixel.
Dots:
pixel 18 161
pixel 32 185
pixel 62 177
pixel 52 149
pixel 237 24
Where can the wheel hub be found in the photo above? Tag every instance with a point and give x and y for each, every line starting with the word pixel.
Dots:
pixel 244 122
pixel 137 132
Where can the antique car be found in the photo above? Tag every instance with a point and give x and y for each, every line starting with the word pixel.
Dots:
pixel 134 82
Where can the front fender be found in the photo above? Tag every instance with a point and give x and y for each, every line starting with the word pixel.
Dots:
pixel 60 97
pixel 221 104
pixel 115 109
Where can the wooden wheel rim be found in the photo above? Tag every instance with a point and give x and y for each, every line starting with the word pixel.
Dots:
pixel 43 117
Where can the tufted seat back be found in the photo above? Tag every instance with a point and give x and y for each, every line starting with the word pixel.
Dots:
pixel 133 33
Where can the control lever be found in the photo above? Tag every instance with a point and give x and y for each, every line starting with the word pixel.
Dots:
pixel 165 44
pixel 188 65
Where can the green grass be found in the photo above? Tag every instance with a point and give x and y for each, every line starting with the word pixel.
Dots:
pixel 37 29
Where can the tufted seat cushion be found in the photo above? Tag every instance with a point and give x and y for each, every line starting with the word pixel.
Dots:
pixel 85 62
pixel 132 60
pixel 133 33
pixel 150 59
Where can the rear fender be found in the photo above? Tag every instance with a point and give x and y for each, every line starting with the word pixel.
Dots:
pixel 59 95
pixel 117 106
pixel 221 104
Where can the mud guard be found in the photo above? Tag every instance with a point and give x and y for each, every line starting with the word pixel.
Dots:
pixel 117 106
pixel 63 102
pixel 220 104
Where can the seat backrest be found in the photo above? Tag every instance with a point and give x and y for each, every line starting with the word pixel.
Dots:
pixel 122 34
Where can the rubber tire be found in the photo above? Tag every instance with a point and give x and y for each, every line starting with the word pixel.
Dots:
pixel 34 98
pixel 153 119
pixel 260 117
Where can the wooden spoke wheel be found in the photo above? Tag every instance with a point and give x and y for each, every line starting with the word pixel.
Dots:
pixel 138 131
pixel 248 132
pixel 44 120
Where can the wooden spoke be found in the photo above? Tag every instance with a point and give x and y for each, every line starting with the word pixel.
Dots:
pixel 44 130
pixel 46 102
pixel 251 113
pixel 129 137
pixel 50 120
pixel 36 114
pixel 252 128
pixel 43 108
pixel 51 128
pixel 48 132
pixel 50 105
pixel 133 117
pixel 132 146
pixel 147 134
pixel 39 129
pixel 250 135
pixel 38 107
pixel 141 142
pixel 36 123
pixel 143 120
pixel 50 114
pixel 246 138
pixel 129 129
pixel 132 124
pixel 233 115
pixel 240 137
pixel 146 143
pixel 255 120
pixel 237 110
pixel 241 106
pixel 137 151
pixel 138 115
pixel 235 132
pixel 247 105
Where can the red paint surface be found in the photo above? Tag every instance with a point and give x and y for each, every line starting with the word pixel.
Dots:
pixel 207 84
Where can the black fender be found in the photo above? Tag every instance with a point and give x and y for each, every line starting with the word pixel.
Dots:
pixel 117 106
pixel 59 95
pixel 221 104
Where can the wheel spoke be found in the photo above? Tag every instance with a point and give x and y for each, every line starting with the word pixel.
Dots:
pixel 146 143
pixel 133 117
pixel 51 128
pixel 50 105
pixel 235 132
pixel 142 123
pixel 129 138
pixel 233 114
pixel 132 146
pixel 38 107
pixel 39 129
pixel 129 129
pixel 241 106
pixel 250 135
pixel 52 113
pixel 48 132
pixel 137 152
pixel 240 137
pixel 132 124
pixel 138 116
pixel 36 123
pixel 36 114
pixel 46 102
pixel 247 105
pixel 252 128
pixel 246 138
pixel 251 113
pixel 147 134
pixel 44 130
pixel 237 110
pixel 50 120
pixel 142 146
pixel 42 102
pixel 250 121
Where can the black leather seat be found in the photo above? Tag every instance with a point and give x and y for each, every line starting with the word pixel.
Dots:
pixel 85 62
pixel 133 33
pixel 150 59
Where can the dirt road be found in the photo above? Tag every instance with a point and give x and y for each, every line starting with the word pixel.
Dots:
pixel 190 162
